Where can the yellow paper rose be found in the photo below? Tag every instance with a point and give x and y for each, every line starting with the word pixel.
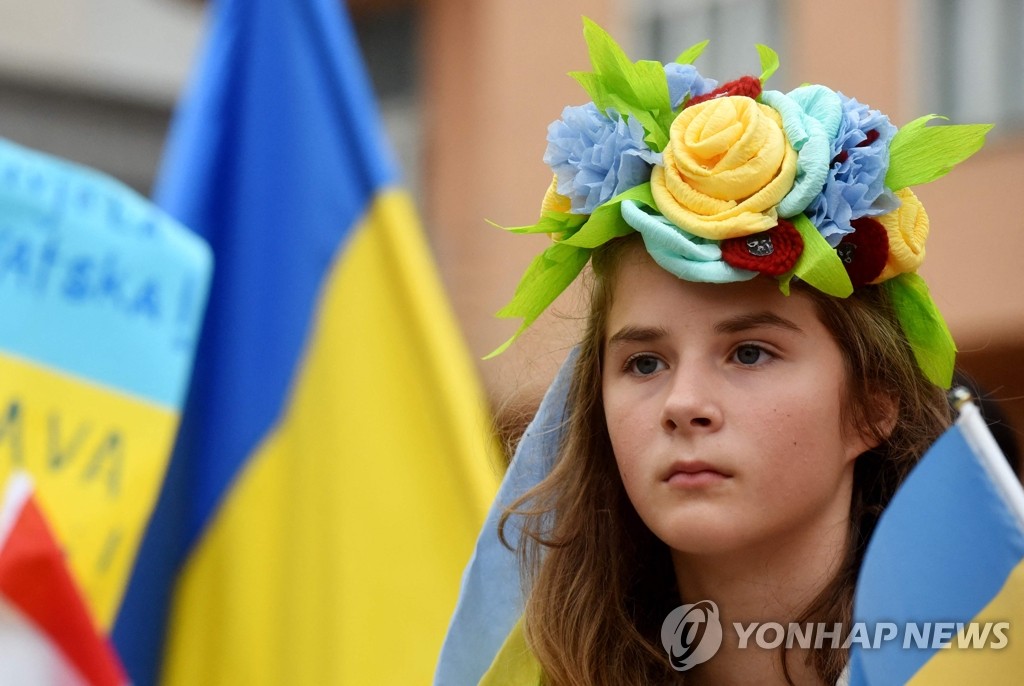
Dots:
pixel 725 168
pixel 907 227
pixel 553 200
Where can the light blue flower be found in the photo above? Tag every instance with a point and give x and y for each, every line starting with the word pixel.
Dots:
pixel 679 252
pixel 855 184
pixel 811 116
pixel 684 80
pixel 597 156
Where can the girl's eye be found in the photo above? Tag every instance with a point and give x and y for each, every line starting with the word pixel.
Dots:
pixel 750 354
pixel 644 365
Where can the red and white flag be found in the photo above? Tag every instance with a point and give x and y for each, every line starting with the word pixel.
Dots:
pixel 47 634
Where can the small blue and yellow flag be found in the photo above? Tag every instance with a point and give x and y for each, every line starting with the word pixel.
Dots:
pixel 333 468
pixel 941 590
pixel 101 297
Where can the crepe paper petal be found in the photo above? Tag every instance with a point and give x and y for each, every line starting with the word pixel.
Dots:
pixel 819 265
pixel 907 228
pixel 553 200
pixel 772 253
pixel 855 186
pixel 727 166
pixel 690 55
pixel 920 153
pixel 607 223
pixel 746 86
pixel 685 82
pixel 924 327
pixel 769 61
pixel 864 252
pixel 550 222
pixel 637 89
pixel 596 155
pixel 545 279
pixel 807 133
pixel 682 254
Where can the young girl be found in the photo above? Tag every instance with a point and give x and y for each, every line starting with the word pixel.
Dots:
pixel 761 368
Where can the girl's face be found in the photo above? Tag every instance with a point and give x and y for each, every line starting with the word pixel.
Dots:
pixel 724 408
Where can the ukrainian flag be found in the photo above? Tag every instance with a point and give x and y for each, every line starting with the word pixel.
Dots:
pixel 945 569
pixel 101 297
pixel 332 469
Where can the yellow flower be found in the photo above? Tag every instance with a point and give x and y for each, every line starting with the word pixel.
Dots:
pixel 907 227
pixel 553 200
pixel 727 165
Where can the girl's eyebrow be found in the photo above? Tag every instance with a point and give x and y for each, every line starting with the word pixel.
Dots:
pixel 755 320
pixel 637 334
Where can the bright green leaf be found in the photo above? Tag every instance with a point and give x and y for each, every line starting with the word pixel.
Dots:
pixel 550 222
pixel 819 265
pixel 924 327
pixel 594 86
pixel 690 55
pixel 769 61
pixel 545 279
pixel 607 58
pixel 606 222
pixel 920 153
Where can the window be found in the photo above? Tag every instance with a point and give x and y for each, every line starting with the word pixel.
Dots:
pixel 972 59
pixel 664 28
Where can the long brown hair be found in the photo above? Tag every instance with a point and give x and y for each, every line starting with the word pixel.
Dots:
pixel 600 583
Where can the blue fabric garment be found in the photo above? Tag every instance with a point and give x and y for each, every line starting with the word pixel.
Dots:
pixel 491 599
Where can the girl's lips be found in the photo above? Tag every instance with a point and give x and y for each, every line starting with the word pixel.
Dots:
pixel 699 479
pixel 694 475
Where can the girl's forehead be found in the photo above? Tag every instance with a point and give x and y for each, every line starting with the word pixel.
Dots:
pixel 645 294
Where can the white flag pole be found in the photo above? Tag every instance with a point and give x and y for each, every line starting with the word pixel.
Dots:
pixel 975 431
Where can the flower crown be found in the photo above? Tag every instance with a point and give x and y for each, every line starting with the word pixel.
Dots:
pixel 725 182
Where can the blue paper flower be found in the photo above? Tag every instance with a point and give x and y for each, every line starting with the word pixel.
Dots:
pixel 597 156
pixel 684 80
pixel 855 185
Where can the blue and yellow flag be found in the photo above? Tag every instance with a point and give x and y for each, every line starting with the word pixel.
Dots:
pixel 941 589
pixel 332 469
pixel 101 297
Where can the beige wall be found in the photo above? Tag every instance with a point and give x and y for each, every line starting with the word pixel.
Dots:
pixel 495 77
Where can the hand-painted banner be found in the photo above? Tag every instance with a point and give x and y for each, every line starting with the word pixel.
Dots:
pixel 101 299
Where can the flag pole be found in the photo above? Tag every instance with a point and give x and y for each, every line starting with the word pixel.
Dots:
pixel 979 438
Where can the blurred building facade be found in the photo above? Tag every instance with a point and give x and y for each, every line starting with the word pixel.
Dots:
pixel 469 86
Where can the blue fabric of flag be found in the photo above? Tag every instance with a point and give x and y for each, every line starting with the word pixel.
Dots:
pixel 255 124
pixel 942 550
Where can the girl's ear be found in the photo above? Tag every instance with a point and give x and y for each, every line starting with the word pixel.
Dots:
pixel 885 412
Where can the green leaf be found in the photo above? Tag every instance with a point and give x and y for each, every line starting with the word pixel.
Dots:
pixel 639 89
pixel 607 58
pixel 550 222
pixel 690 55
pixel 606 222
pixel 819 265
pixel 769 61
pixel 920 153
pixel 545 279
pixel 657 136
pixel 594 86
pixel 924 327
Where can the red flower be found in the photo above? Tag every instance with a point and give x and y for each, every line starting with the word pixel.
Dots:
pixel 864 251
pixel 772 252
pixel 749 86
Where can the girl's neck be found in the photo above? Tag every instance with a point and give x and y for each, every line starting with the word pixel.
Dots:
pixel 771 584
